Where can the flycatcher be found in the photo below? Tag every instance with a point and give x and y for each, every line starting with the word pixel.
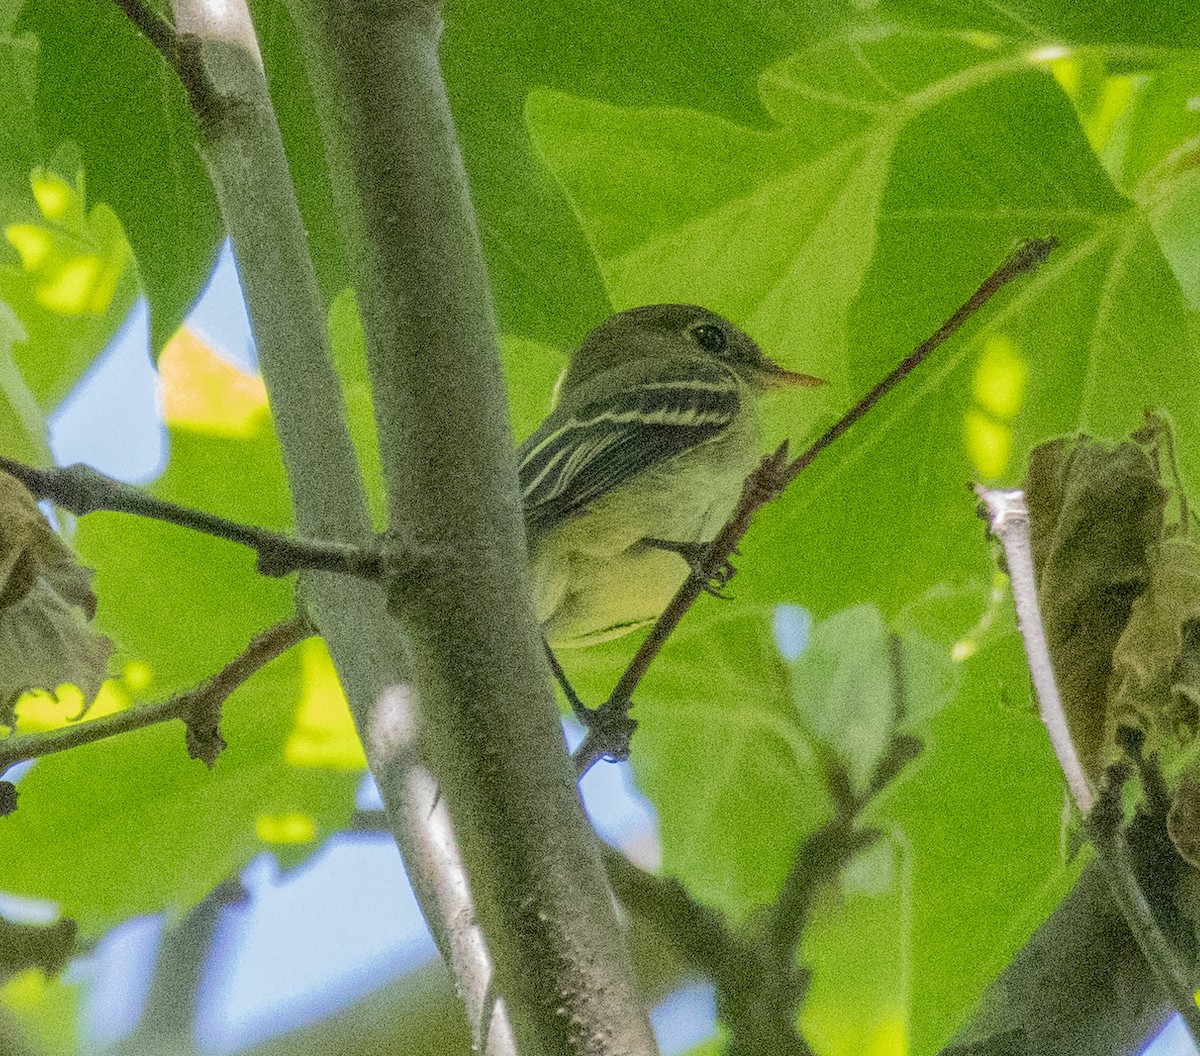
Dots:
pixel 641 460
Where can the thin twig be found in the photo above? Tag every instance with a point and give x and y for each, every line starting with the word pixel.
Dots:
pixel 827 850
pixel 199 708
pixel 764 484
pixel 179 52
pixel 699 932
pixel 755 1000
pixel 1026 259
pixel 80 489
pixel 153 27
pixel 759 986
pixel 1009 517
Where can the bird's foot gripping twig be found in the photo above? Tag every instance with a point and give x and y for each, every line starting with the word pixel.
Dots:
pixel 696 555
pixel 609 727
pixel 609 734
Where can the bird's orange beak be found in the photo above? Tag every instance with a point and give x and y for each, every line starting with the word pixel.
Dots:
pixel 777 377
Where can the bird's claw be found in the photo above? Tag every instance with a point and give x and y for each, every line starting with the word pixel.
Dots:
pixel 694 554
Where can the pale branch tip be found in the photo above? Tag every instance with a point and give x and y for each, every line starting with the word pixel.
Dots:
pixel 198 708
pixel 608 737
pixel 1008 515
pixel 81 490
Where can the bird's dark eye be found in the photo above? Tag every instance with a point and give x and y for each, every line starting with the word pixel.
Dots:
pixel 710 338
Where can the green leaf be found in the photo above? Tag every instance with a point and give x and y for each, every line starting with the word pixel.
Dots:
pixel 22 423
pixel 982 864
pixel 545 280
pixel 180 606
pixel 844 686
pixel 102 87
pixel 75 283
pixel 1150 22
pixel 1153 158
pixel 720 752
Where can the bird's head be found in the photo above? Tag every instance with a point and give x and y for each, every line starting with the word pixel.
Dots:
pixel 667 330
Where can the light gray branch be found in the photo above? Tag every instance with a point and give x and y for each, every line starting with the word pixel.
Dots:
pixel 241 144
pixel 1010 522
pixel 487 723
pixel 1009 516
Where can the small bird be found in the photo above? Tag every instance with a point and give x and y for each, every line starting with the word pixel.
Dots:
pixel 639 464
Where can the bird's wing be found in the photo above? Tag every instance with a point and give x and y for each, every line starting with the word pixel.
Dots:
pixel 586 449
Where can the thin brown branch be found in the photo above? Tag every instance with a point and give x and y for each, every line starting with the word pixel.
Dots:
pixel 1027 258
pixel 755 1001
pixel 826 851
pixel 81 490
pixel 198 708
pixel 610 727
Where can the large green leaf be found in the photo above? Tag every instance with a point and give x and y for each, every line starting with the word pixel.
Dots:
pixel 620 51
pixel 900 164
pixel 1148 23
pixel 900 168
pixel 179 606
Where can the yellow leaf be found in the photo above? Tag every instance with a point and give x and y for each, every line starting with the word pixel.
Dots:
pixel 205 393
pixel 32 242
pixel 69 289
pixel 989 443
pixel 52 193
pixel 999 382
pixel 285 828
pixel 41 710
pixel 324 733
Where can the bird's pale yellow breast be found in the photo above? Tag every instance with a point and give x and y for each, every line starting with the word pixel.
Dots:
pixel 595 578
